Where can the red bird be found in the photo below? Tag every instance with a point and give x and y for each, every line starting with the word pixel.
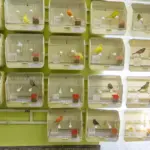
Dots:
pixel 59 119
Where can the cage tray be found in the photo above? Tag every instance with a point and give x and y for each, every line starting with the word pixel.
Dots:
pixel 25 51
pixel 1 14
pixel 67 16
pixel 138 92
pixel 104 91
pixel 1 50
pixel 24 89
pixel 66 53
pixel 102 125
pixel 65 91
pixel 1 87
pixel 108 17
pixel 106 53
pixel 137 126
pixel 24 15
pixel 64 125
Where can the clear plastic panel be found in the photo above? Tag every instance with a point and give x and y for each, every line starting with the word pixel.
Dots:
pixel 64 125
pixel 24 89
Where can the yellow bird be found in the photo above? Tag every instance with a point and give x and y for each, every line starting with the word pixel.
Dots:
pixel 98 49
pixel 80 55
pixel 113 15
pixel 25 19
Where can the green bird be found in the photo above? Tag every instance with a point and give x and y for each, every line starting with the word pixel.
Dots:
pixel 140 18
pixel 114 14
pixel 144 87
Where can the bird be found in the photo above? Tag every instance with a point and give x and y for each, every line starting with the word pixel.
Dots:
pixel 25 19
pixel 140 51
pixel 144 87
pixel 110 86
pixel 95 122
pixel 114 131
pixel 140 18
pixel 69 13
pixel 113 15
pixel 59 119
pixel 98 49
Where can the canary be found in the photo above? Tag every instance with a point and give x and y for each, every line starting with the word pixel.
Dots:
pixel 80 55
pixel 59 119
pixel 140 18
pixel 25 19
pixel 142 50
pixel 144 87
pixel 95 122
pixel 69 13
pixel 98 49
pixel 113 15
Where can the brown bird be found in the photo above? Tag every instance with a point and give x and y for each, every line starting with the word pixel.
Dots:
pixel 140 51
pixel 95 122
pixel 110 86
pixel 144 87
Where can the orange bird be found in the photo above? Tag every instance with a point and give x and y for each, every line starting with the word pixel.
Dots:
pixel 114 131
pixel 69 13
pixel 59 119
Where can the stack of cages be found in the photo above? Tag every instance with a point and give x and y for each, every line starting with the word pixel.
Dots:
pixel 25 51
pixel 102 125
pixel 108 17
pixel 64 125
pixel 67 16
pixel 24 15
pixel 24 89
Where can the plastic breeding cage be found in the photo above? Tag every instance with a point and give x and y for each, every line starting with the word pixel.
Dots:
pixel 64 125
pixel 65 91
pixel 1 87
pixel 104 91
pixel 25 51
pixel 1 50
pixel 139 55
pixel 108 17
pixel 138 95
pixel 106 53
pixel 25 15
pixel 67 16
pixel 102 125
pixel 1 14
pixel 66 53
pixel 137 126
pixel 24 89
pixel 141 19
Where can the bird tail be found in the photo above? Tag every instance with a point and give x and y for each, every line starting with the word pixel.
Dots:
pixel 139 90
pixel 133 53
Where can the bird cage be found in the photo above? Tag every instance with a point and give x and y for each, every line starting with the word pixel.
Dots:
pixel 102 125
pixel 25 51
pixel 141 19
pixel 65 91
pixel 67 16
pixel 106 53
pixel 1 14
pixel 137 126
pixel 66 53
pixel 1 87
pixel 139 55
pixel 24 15
pixel 138 92
pixel 108 17
pixel 24 89
pixel 104 91
pixel 1 50
pixel 64 125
